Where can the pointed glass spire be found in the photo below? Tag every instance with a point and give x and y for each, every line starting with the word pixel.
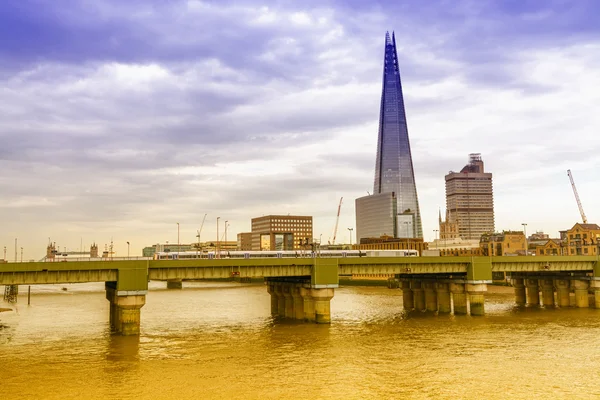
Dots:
pixel 393 166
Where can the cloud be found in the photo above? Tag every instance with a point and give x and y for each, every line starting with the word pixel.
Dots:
pixel 119 120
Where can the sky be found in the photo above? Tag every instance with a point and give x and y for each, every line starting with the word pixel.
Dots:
pixel 120 119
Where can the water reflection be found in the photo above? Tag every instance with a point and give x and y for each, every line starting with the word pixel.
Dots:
pixel 214 341
pixel 122 348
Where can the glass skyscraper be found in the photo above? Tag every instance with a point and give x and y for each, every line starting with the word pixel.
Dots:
pixel 394 167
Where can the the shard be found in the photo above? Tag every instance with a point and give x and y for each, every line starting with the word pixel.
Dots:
pixel 394 168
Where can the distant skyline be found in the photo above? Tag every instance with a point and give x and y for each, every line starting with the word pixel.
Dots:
pixel 120 119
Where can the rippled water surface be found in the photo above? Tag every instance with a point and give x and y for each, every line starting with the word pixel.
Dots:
pixel 217 340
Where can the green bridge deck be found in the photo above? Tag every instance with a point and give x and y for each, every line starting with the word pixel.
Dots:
pixel 133 275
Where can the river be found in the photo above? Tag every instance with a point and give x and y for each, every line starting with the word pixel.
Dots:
pixel 218 341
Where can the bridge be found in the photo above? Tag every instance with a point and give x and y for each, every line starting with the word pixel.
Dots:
pixel 302 288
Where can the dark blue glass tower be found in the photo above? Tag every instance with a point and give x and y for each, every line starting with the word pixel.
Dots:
pixel 394 167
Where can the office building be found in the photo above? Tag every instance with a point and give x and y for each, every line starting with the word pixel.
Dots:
pixel 244 241
pixel 281 232
pixel 470 199
pixel 393 163
pixel 376 216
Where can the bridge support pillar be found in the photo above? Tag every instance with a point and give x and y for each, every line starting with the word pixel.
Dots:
pixel 477 298
pixel 459 298
pixel 582 299
pixel 309 305
pixel 174 284
pixel 519 285
pixel 595 284
pixel 280 299
pixel 274 299
pixel 443 296
pixel 298 303
pixel 322 305
pixel 289 300
pixel 430 296
pixel 419 296
pixel 533 292
pixel 125 311
pixel 318 306
pixel 563 292
pixel 548 293
pixel 408 300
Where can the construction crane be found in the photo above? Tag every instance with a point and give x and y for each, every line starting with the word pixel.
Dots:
pixel 199 232
pixel 337 220
pixel 577 197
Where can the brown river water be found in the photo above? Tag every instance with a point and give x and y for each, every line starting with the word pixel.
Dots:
pixel 218 341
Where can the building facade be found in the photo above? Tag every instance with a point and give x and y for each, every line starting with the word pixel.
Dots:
pixel 391 243
pixel 448 230
pixel 244 241
pixel 470 199
pixel 376 216
pixel 281 232
pixel 583 240
pixel 507 243
pixel 552 247
pixel 394 171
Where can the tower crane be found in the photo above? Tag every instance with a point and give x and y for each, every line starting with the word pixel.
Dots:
pixel 337 220
pixel 200 231
pixel 577 197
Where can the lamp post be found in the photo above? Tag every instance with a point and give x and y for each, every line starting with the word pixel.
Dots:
pixel 15 249
pixel 178 242
pixel 435 231
pixel 21 254
pixel 127 249
pixel 226 224
pixel 4 253
pixel 217 244
pixel 525 233
pixel 350 229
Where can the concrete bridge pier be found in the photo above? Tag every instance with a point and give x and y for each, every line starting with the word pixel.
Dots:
pixel 289 300
pixel 459 298
pixel 430 296
pixel 519 285
pixel 595 284
pixel 174 284
pixel 280 299
pixel 408 300
pixel 533 292
pixel 274 299
pixel 476 293
pixel 309 305
pixel 298 302
pixel 443 297
pixel 548 292
pixel 419 296
pixel 322 299
pixel 125 310
pixel 317 304
pixel 582 299
pixel 563 292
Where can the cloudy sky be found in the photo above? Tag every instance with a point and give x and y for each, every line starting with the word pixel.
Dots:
pixel 120 119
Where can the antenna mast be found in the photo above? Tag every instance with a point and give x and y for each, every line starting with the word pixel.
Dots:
pixel 577 197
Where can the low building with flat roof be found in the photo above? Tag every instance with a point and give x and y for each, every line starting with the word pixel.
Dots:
pixel 281 232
